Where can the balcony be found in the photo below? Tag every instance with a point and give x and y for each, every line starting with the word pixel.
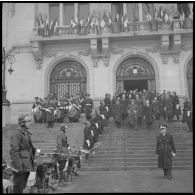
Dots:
pixel 115 30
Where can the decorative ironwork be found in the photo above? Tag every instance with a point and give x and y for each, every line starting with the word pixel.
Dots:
pixel 126 71
pixel 68 78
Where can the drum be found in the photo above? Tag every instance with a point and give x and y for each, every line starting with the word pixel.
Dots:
pixel 37 113
pixel 72 113
pixel 57 114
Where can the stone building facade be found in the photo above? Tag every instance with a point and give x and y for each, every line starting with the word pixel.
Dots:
pixel 98 63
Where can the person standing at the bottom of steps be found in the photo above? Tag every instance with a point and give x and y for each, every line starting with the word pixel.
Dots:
pixel 165 150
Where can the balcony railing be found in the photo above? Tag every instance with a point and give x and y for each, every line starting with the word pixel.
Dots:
pixel 115 28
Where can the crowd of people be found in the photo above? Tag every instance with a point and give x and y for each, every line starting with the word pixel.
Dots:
pixel 132 107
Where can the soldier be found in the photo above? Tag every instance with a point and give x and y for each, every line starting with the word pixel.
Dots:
pixel 169 107
pixel 148 114
pixel 187 113
pixel 103 113
pixel 94 127
pixel 108 105
pixel 88 138
pixel 22 153
pixel 139 109
pixel 117 113
pixel 88 104
pixel 176 106
pixel 162 106
pixel 155 108
pixel 124 105
pixel 62 147
pixel 99 121
pixel 50 113
pixel 132 114
pixel 165 149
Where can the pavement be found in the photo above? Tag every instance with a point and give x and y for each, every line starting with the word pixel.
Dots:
pixel 130 181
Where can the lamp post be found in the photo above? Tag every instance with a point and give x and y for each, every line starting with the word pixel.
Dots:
pixel 11 60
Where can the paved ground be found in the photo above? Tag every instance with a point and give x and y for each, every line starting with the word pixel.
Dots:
pixel 116 181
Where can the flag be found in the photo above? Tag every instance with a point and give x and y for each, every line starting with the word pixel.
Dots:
pixel 88 20
pixel 105 18
pixel 125 22
pixel 81 21
pixel 102 23
pixel 73 23
pixel 92 22
pixel 186 9
pixel 117 17
pixel 155 14
pixel 166 17
pixel 55 27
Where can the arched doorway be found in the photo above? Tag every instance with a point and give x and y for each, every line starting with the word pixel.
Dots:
pixel 67 78
pixel 135 73
pixel 189 76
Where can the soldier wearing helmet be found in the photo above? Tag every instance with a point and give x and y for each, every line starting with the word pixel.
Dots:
pixel 22 153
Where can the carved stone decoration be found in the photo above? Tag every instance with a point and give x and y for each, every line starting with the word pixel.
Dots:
pixel 153 49
pixel 186 47
pixel 95 61
pixel 84 52
pixel 106 61
pixel 116 51
pixel 50 54
pixel 164 59
pixel 37 53
pixel 175 58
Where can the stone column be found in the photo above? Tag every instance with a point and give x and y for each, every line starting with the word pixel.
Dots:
pixel 124 9
pixel 61 14
pixel 76 9
pixel 140 12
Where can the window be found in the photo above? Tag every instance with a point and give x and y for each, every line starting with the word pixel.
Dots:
pixel 83 10
pixel 116 8
pixel 132 12
pixel 54 11
pixel 68 13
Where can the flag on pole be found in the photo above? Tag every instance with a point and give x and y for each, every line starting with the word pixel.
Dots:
pixel 73 23
pixel 155 14
pixel 125 21
pixel 102 23
pixel 55 27
pixel 81 21
pixel 166 17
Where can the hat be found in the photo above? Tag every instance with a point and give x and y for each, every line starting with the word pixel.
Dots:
pixel 24 118
pixel 63 127
pixel 163 126
pixel 36 98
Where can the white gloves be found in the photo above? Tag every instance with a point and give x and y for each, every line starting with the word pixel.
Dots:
pixel 96 124
pixel 88 143
pixel 173 154
pixel 92 134
pixel 102 116
pixel 106 109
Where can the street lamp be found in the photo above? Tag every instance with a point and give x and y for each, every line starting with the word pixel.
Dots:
pixel 11 60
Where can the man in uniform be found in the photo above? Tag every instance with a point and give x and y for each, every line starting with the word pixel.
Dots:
pixel 117 113
pixel 187 113
pixel 62 147
pixel 22 153
pixel 108 105
pixel 88 105
pixel 165 149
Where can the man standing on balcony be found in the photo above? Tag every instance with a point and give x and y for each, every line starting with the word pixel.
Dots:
pixel 165 149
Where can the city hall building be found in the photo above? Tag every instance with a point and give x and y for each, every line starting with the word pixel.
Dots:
pixel 95 48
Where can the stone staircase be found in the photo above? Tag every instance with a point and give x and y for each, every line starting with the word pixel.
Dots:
pixel 122 148
pixel 127 149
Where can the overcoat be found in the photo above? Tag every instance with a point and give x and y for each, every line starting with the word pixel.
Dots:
pixel 103 111
pixel 132 114
pixel 186 110
pixel 50 115
pixel 148 113
pixel 98 119
pixel 124 105
pixel 88 136
pixel 155 107
pixel 139 108
pixel 117 112
pixel 169 106
pixel 22 150
pixel 176 109
pixel 164 148
pixel 162 104
pixel 88 104
pixel 108 103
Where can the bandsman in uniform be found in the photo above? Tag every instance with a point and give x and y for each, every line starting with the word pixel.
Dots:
pixel 165 150
pixel 88 105
pixel 108 105
pixel 187 113
pixel 103 113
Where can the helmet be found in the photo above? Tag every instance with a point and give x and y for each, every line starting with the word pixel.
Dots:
pixel 24 118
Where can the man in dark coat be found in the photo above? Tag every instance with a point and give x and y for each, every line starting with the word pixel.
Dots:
pixel 22 154
pixel 176 106
pixel 155 108
pixel 169 107
pixel 88 138
pixel 117 113
pixel 103 113
pixel 108 105
pixel 162 106
pixel 148 114
pixel 165 149
pixel 62 147
pixel 50 113
pixel 187 113
pixel 124 105
pixel 88 105
pixel 132 114
pixel 35 106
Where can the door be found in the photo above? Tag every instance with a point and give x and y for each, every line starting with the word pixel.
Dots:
pixel 68 78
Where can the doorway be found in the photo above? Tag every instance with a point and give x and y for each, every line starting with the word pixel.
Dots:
pixel 135 84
